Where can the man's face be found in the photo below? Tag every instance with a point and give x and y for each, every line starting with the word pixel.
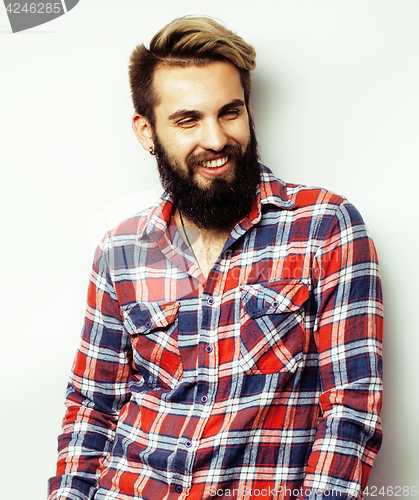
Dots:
pixel 204 141
pixel 201 114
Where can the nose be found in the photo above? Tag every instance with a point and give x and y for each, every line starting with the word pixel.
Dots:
pixel 214 136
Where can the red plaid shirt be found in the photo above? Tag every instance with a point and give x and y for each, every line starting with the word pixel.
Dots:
pixel 263 381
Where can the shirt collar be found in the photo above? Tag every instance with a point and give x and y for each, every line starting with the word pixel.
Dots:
pixel 271 191
pixel 157 220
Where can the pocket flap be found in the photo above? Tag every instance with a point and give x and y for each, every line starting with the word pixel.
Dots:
pixel 273 297
pixel 144 317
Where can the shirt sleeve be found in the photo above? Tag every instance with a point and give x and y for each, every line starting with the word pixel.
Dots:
pixel 348 334
pixel 97 390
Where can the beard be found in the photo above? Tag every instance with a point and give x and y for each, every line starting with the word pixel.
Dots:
pixel 222 202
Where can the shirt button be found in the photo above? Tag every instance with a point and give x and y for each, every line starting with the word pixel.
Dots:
pixel 148 324
pixel 204 399
pixel 178 489
pixel 275 304
pixel 210 301
pixel 188 444
pixel 208 348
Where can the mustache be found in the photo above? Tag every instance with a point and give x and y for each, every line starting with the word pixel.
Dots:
pixel 230 150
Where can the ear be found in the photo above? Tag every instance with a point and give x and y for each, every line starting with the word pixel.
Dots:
pixel 143 131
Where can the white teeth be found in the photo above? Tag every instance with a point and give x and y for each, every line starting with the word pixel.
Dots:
pixel 215 163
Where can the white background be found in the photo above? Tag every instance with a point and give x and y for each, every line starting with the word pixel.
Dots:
pixel 336 104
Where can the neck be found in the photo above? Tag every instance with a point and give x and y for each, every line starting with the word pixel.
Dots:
pixel 205 244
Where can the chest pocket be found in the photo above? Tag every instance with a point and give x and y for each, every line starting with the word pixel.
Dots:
pixel 152 327
pixel 272 326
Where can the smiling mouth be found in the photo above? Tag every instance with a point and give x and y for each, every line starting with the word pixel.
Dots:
pixel 215 163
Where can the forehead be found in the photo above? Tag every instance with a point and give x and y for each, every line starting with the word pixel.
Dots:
pixel 205 88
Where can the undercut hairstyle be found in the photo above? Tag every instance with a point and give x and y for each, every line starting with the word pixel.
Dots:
pixel 186 41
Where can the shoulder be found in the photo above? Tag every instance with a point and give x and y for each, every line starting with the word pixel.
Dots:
pixel 308 196
pixel 136 230
pixel 318 209
pixel 134 226
pixel 295 196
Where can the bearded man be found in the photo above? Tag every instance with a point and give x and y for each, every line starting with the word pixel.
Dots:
pixel 232 338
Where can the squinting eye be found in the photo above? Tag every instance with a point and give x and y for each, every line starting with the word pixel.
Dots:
pixel 187 123
pixel 232 113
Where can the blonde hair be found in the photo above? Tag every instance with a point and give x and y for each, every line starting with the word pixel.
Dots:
pixel 186 41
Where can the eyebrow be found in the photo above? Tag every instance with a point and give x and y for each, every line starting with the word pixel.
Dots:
pixel 182 113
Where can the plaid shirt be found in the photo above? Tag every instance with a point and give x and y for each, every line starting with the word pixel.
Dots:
pixel 262 381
